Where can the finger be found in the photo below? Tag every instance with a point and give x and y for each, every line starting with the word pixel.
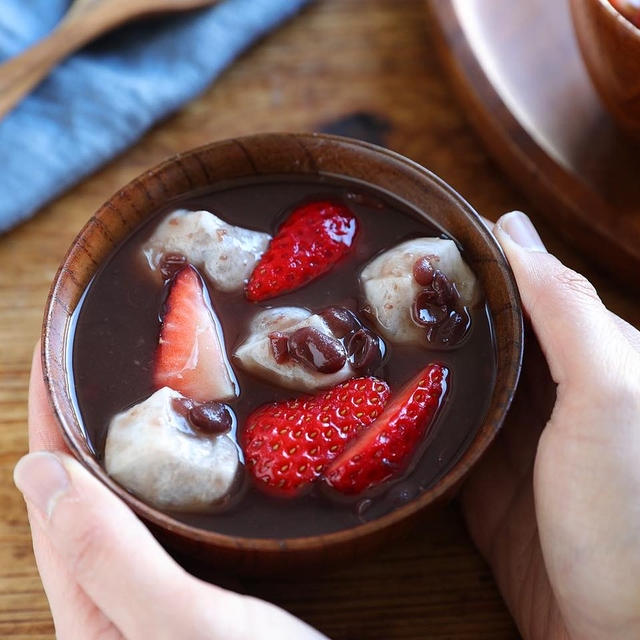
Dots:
pixel 107 551
pixel 75 616
pixel 44 431
pixel 577 333
pixel 73 612
pixel 121 567
pixel 507 467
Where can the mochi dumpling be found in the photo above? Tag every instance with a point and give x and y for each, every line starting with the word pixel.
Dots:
pixel 226 253
pixel 320 359
pixel 418 291
pixel 154 451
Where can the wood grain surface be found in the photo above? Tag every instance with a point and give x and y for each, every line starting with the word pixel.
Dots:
pixel 362 66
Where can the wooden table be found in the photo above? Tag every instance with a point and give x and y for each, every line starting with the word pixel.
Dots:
pixel 372 58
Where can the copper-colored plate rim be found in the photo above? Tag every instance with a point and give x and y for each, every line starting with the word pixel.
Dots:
pixel 276 545
pixel 556 189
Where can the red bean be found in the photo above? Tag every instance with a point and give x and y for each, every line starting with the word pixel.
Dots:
pixel 364 350
pixel 317 350
pixel 423 271
pixel 446 293
pixel 211 417
pixel 340 320
pixel 427 312
pixel 279 346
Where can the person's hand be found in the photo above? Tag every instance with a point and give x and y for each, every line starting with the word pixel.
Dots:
pixel 106 577
pixel 555 505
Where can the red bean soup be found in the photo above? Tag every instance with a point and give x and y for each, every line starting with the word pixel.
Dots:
pixel 282 357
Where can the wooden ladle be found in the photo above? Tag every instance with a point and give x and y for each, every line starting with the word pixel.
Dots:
pixel 84 21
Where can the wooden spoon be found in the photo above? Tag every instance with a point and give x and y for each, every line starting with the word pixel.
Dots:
pixel 85 20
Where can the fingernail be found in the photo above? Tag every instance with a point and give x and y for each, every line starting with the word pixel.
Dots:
pixel 521 230
pixel 42 480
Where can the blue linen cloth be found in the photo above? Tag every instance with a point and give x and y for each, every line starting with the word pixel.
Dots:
pixel 101 100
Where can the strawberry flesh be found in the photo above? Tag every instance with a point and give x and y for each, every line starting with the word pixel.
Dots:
pixel 386 448
pixel 190 357
pixel 314 237
pixel 288 444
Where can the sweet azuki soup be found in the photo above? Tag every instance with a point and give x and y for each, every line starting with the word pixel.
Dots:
pixel 282 357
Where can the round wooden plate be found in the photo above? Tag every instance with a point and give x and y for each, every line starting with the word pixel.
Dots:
pixel 518 72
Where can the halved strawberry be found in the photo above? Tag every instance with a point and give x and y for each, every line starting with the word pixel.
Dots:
pixel 385 449
pixel 308 244
pixel 288 444
pixel 190 357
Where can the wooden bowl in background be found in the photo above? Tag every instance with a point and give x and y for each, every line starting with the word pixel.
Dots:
pixel 610 46
pixel 265 155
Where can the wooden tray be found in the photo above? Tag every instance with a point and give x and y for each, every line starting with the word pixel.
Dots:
pixel 518 73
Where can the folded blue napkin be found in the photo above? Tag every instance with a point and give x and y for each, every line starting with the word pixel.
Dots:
pixel 101 100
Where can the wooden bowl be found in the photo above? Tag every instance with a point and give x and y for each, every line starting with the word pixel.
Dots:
pixel 282 154
pixel 610 46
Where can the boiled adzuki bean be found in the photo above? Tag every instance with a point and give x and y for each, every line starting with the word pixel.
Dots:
pixel 211 417
pixel 317 350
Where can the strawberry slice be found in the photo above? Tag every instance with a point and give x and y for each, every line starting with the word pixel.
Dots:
pixel 288 444
pixel 190 357
pixel 314 237
pixel 385 449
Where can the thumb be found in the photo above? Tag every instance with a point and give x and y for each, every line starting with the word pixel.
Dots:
pixel 107 550
pixel 122 568
pixel 579 336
